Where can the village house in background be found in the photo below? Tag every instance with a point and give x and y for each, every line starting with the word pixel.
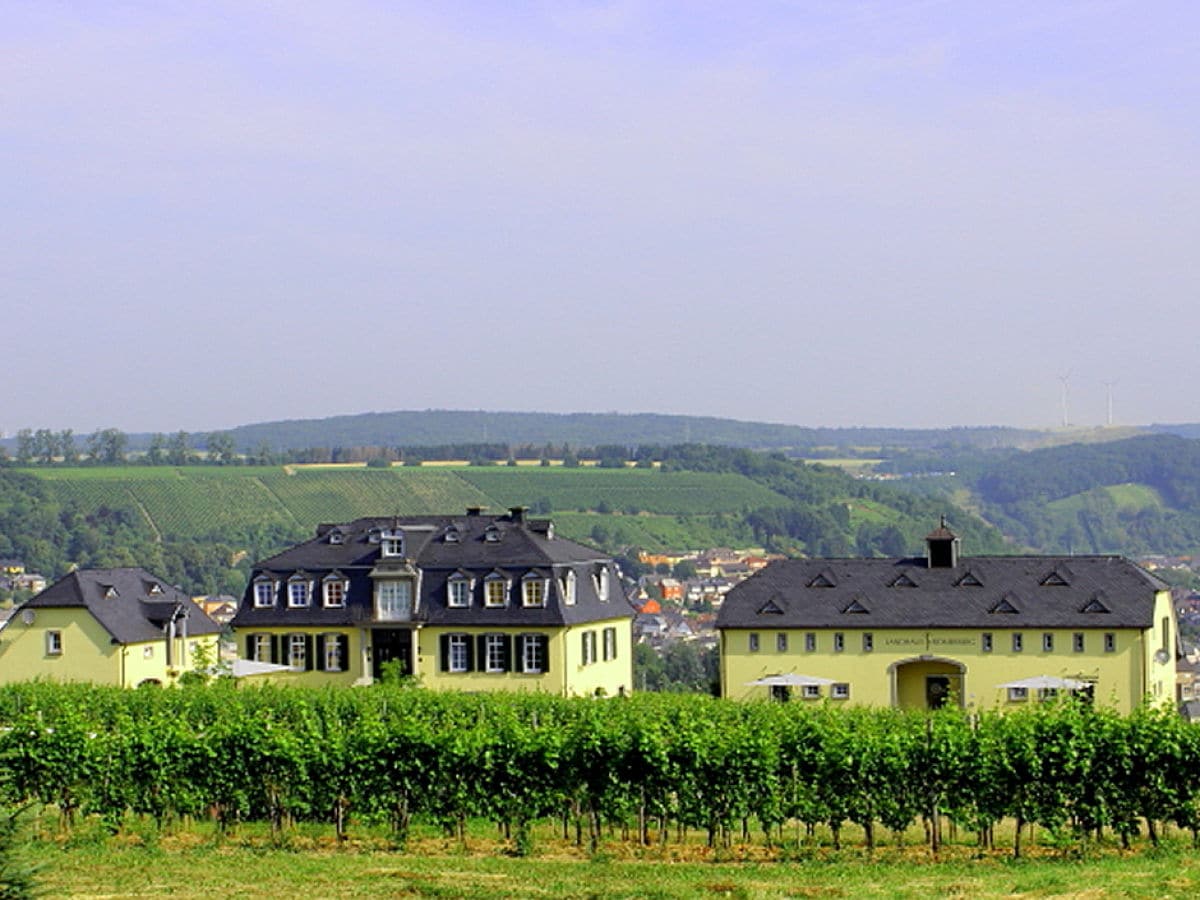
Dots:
pixel 922 632
pixel 122 626
pixel 472 602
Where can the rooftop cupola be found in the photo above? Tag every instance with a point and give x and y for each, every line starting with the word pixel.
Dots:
pixel 942 547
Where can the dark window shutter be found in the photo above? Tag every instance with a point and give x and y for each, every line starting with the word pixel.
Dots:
pixel 444 649
pixel 275 658
pixel 319 662
pixel 584 647
pixel 545 642
pixel 344 654
pixel 308 653
pixel 481 652
pixel 470 654
pixel 249 646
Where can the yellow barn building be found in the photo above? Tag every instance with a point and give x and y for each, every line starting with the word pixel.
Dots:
pixel 110 626
pixel 977 631
pixel 473 602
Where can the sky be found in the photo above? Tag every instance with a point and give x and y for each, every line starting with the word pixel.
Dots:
pixel 886 214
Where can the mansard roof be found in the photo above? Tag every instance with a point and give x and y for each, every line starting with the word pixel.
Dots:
pixel 1001 592
pixel 129 603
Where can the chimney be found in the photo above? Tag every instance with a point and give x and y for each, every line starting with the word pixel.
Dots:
pixel 517 513
pixel 474 510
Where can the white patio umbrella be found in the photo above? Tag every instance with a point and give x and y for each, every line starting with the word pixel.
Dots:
pixel 789 679
pixel 1045 682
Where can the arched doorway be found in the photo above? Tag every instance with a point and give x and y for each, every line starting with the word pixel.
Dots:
pixel 927 682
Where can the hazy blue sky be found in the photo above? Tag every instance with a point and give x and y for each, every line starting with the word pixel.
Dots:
pixel 821 213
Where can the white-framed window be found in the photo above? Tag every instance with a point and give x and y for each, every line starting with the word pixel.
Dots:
pixel 810 691
pixel 985 642
pixel 533 591
pixel 1047 642
pixel 868 641
pixel 1047 694
pixel 495 591
pixel 495 653
pixel 333 653
pixel 458 592
pixel 839 642
pixel 458 650
pixel 1110 642
pixel 588 647
pixel 569 581
pixel 264 593
pixel 810 642
pixel 840 691
pixel 610 643
pixel 1018 694
pixel 781 642
pixel 260 648
pixel 1018 642
pixel 394 600
pixel 297 656
pixel 752 642
pixel 335 592
pixel 1077 642
pixel 148 652
pixel 391 544
pixel 54 643
pixel 298 593
pixel 602 584
pixel 533 654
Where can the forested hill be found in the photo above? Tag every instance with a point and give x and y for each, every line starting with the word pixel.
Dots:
pixel 1140 495
pixel 444 427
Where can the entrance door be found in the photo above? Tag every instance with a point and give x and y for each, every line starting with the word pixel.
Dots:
pixel 388 644
pixel 937 691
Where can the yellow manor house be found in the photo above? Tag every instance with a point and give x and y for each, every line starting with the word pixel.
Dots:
pixel 472 602
pixel 977 631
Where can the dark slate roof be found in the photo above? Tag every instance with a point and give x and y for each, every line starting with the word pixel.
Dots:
pixel 521 546
pixel 1000 592
pixel 131 604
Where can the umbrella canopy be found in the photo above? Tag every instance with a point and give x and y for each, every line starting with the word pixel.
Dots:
pixel 1044 682
pixel 790 679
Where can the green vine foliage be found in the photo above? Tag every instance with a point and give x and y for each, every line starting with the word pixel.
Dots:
pixel 649 767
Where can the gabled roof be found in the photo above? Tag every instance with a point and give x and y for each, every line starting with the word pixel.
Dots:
pixel 979 592
pixel 130 604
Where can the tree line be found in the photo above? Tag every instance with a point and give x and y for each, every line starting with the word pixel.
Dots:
pixel 651 767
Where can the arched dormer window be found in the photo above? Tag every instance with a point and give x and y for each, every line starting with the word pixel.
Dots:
pixel 459 588
pixel 495 590
pixel 264 591
pixel 299 591
pixel 334 588
pixel 534 588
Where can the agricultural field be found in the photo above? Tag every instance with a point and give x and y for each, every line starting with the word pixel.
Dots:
pixel 202 500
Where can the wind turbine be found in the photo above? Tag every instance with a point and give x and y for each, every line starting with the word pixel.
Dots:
pixel 1108 386
pixel 1065 379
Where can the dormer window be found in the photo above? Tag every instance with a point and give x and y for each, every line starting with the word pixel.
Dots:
pixel 153 588
pixel 452 536
pixel 264 592
pixel 334 586
pixel 568 587
pixel 602 584
pixel 495 590
pixel 533 590
pixel 298 592
pixel 492 534
pixel 391 543
pixel 336 536
pixel 458 590
pixel 110 591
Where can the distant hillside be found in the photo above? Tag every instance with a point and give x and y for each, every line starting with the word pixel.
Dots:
pixel 1140 495
pixel 438 427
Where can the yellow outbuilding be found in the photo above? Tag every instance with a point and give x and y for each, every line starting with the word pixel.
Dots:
pixel 110 626
pixel 944 628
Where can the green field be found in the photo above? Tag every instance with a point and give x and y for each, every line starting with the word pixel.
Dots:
pixel 655 509
pixel 189 867
pixel 1131 497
